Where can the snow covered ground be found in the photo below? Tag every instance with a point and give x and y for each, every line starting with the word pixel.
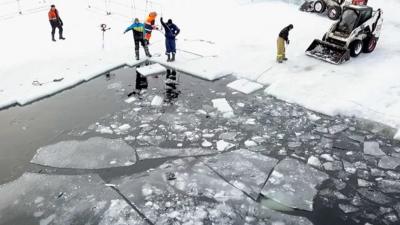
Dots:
pixel 218 37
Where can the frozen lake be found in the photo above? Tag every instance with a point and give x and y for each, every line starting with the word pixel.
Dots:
pixel 174 149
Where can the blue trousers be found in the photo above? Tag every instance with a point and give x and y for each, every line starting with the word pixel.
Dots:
pixel 170 45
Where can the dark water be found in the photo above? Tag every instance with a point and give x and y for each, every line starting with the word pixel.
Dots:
pixel 68 115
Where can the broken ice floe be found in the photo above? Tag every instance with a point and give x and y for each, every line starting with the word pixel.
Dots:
pixel 94 153
pixel 130 100
pixel 157 152
pixel 245 86
pixel 51 200
pixel 151 69
pixel 293 184
pixel 186 191
pixel 223 106
pixel 224 146
pixel 157 101
pixel 245 170
pixel 387 162
pixel 372 148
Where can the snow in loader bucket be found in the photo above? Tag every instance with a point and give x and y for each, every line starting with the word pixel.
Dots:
pixel 328 52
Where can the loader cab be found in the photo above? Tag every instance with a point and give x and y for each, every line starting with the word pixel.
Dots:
pixel 353 17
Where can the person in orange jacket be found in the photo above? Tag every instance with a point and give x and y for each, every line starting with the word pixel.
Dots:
pixel 55 22
pixel 149 26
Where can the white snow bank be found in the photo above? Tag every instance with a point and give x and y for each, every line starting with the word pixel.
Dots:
pixel 245 86
pixel 151 69
pixel 222 105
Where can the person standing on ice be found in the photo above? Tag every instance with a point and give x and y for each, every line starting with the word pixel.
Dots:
pixel 138 37
pixel 171 31
pixel 55 22
pixel 283 37
pixel 149 26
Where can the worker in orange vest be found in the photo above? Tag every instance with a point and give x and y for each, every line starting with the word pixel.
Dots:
pixel 55 22
pixel 149 26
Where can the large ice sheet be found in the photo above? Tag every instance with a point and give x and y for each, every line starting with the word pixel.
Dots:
pixel 94 153
pixel 53 200
pixel 151 69
pixel 293 184
pixel 186 191
pixel 244 169
pixel 154 152
pixel 245 86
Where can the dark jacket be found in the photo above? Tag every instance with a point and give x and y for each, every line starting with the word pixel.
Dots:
pixel 285 33
pixel 171 30
pixel 138 30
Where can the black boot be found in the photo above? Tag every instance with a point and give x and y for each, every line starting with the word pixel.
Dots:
pixel 52 37
pixel 173 57
pixel 62 38
pixel 146 50
pixel 137 54
pixel 169 57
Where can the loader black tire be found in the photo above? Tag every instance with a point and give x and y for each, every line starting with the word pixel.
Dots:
pixel 356 48
pixel 370 44
pixel 319 6
pixel 334 12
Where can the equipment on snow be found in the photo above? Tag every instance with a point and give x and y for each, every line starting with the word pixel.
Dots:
pixel 104 28
pixel 333 8
pixel 357 31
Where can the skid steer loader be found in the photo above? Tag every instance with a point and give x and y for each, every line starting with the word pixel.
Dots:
pixel 357 31
pixel 333 8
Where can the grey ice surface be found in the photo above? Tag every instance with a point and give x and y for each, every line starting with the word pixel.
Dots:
pixel 94 153
pixel 389 186
pixel 388 162
pixel 186 191
pixel 372 148
pixel 293 183
pixel 244 169
pixel 374 196
pixel 53 200
pixel 157 152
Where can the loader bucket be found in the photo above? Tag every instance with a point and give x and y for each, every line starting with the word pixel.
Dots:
pixel 328 52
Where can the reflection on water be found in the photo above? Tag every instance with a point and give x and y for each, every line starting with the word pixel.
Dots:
pixel 171 83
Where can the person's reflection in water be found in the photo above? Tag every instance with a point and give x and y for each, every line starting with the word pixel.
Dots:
pixel 140 85
pixel 171 92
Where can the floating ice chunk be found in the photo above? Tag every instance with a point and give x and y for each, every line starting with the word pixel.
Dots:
pixel 157 101
pixel 222 105
pixel 121 213
pixel 374 196
pixel 63 199
pixel 337 128
pixel 157 152
pixel 104 130
pixel 94 153
pixel 250 143
pixel 372 148
pixel 397 136
pixel 244 169
pixel 130 100
pixel 223 145
pixel 206 144
pixel 314 161
pixel 313 117
pixel 333 166
pixel 388 162
pixel 124 127
pixel 348 167
pixel 182 197
pixel 245 86
pixel 151 69
pixel 327 157
pixel 293 184
pixel 389 186
pixel 348 208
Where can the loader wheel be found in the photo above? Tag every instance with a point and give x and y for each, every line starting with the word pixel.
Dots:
pixel 370 44
pixel 356 48
pixel 334 12
pixel 319 6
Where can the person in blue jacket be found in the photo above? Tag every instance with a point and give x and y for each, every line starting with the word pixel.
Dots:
pixel 171 31
pixel 138 36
